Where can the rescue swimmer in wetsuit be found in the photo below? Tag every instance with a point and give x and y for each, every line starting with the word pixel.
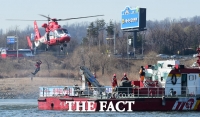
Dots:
pixel 38 63
pixel 142 73
pixel 114 82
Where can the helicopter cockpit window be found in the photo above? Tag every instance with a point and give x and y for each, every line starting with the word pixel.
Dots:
pixel 51 33
pixel 62 31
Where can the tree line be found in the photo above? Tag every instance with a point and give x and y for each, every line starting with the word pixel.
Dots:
pixel 92 43
pixel 168 36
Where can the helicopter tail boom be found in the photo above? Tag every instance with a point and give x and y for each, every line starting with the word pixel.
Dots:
pixel 29 42
pixel 37 33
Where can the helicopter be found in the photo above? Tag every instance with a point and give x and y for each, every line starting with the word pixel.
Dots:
pixel 54 33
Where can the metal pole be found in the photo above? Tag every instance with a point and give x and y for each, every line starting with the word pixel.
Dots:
pixel 134 42
pixel 127 45
pixel 114 41
pixel 89 39
pixel 143 43
pixel 128 51
pixel 17 40
pixel 99 43
pixel 142 46
pixel 17 47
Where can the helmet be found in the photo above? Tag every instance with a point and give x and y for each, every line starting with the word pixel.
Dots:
pixel 114 75
pixel 124 74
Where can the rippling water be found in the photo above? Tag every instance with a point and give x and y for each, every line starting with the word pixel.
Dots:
pixel 28 108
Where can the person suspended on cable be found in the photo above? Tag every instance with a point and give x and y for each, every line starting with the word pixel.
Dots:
pixel 114 82
pixel 38 63
pixel 142 73
pixel 125 77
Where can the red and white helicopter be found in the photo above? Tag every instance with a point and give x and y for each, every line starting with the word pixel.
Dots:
pixel 55 34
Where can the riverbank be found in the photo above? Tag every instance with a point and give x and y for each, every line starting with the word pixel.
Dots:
pixel 27 88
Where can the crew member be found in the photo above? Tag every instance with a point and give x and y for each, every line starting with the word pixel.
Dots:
pixel 125 77
pixel 142 73
pixel 94 75
pixel 47 33
pixel 114 82
pixel 38 63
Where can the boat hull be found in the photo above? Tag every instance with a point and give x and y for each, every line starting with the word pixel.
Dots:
pixel 120 105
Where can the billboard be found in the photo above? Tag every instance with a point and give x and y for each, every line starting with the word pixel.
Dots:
pixel 133 18
pixel 10 39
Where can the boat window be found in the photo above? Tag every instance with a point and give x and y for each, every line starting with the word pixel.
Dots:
pixel 191 77
pixel 161 78
pixel 184 77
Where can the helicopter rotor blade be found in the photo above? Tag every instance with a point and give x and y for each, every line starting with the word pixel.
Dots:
pixel 24 20
pixel 79 17
pixel 46 17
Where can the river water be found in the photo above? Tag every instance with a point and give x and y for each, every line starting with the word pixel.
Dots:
pixel 28 108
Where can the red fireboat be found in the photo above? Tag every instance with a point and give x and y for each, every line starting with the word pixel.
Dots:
pixel 168 86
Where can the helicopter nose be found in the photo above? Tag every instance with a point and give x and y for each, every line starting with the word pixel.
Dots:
pixel 69 35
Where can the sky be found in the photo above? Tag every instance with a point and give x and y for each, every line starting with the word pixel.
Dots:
pixel 111 9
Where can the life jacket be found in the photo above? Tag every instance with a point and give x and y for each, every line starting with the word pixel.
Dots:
pixel 114 82
pixel 124 78
pixel 38 64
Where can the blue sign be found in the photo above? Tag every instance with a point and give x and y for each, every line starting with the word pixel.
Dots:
pixel 10 40
pixel 130 18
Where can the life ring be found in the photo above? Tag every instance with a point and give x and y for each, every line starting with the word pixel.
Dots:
pixel 174 79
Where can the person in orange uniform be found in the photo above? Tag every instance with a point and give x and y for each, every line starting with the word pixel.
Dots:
pixel 142 73
pixel 114 82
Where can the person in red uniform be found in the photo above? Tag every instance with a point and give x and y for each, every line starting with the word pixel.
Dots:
pixel 125 77
pixel 38 63
pixel 114 82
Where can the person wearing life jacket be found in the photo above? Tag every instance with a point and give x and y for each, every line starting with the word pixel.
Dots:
pixel 38 63
pixel 114 82
pixel 125 77
pixel 142 73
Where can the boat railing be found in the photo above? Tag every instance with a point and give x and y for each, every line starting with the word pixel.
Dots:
pixel 120 92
